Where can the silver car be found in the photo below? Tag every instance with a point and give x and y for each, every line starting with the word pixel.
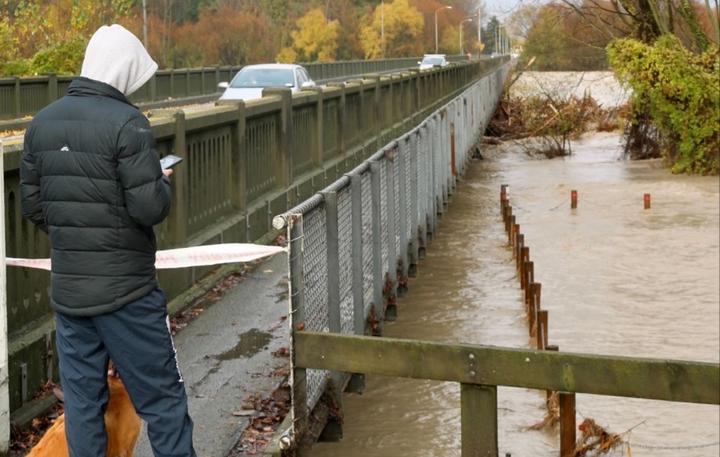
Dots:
pixel 250 81
pixel 432 60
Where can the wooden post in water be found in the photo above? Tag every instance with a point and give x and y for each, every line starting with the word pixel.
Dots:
pixel 503 195
pixel 549 347
pixel 519 243
pixel 524 257
pixel 646 201
pixel 567 424
pixel 529 279
pixel 573 199
pixel 542 322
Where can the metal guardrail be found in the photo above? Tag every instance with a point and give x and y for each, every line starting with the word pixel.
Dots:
pixel 353 245
pixel 24 96
pixel 243 163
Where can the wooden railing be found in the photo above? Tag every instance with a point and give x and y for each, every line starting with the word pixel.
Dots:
pixel 480 369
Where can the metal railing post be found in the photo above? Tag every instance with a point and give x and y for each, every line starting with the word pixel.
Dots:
pixel 4 381
pixel 377 242
pixel 392 233
pixel 403 149
pixel 295 235
pixel 333 261
pixel 415 229
pixel 357 254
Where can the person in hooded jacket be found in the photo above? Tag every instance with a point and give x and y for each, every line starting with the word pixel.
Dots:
pixel 90 177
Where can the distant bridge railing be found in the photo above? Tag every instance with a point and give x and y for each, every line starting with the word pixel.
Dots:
pixel 243 164
pixel 24 96
pixel 354 244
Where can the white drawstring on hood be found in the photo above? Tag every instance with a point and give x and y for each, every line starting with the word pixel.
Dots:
pixel 116 57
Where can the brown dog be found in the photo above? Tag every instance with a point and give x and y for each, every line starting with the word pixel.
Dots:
pixel 121 423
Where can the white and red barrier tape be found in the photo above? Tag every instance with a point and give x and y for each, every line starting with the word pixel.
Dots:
pixel 184 257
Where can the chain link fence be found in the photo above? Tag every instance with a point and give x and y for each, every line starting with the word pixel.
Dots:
pixel 352 244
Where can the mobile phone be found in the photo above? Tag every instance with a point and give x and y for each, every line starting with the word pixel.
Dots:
pixel 170 161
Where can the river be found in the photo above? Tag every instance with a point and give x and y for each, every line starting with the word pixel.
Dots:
pixel 617 279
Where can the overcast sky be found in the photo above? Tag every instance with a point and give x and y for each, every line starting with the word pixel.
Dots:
pixel 501 8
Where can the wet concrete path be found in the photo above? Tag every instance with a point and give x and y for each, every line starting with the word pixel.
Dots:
pixel 226 355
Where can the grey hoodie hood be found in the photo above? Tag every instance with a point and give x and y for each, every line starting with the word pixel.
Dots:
pixel 116 57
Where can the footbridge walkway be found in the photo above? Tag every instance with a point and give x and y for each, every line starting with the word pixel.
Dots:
pixel 245 163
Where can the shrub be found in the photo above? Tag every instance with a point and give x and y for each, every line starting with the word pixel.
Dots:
pixel 680 91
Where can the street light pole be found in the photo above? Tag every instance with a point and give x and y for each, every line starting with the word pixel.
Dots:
pixel 479 32
pixel 462 51
pixel 436 30
pixel 382 27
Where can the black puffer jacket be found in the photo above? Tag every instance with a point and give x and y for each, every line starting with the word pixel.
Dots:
pixel 90 177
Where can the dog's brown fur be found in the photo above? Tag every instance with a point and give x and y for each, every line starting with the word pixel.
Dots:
pixel 121 423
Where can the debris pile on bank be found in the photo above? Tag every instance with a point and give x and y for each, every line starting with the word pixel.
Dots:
pixel 548 120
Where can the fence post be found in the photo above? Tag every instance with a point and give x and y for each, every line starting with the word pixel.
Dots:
pixel 18 110
pixel 403 151
pixel 388 163
pixel 342 118
pixel 239 160
pixel 333 261
pixel 283 165
pixel 295 234
pixel 415 229
pixel 377 243
pixel 357 255
pixel 172 83
pixel 52 88
pixel 153 88
pixel 4 387
pixel 187 82
pixel 319 148
pixel 178 210
pixel 478 420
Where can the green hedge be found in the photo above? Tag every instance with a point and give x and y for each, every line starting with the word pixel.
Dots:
pixel 681 90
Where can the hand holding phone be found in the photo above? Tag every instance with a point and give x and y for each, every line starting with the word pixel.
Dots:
pixel 170 161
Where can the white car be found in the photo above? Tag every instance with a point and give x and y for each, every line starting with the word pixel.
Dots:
pixel 250 81
pixel 430 60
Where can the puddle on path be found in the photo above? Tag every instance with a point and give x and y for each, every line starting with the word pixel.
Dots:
pixel 250 343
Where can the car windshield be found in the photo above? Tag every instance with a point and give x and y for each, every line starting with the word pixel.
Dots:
pixel 263 77
pixel 433 61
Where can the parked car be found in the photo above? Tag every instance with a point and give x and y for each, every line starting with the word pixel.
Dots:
pixel 431 60
pixel 250 81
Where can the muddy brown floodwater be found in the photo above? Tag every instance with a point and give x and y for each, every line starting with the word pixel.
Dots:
pixel 616 279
